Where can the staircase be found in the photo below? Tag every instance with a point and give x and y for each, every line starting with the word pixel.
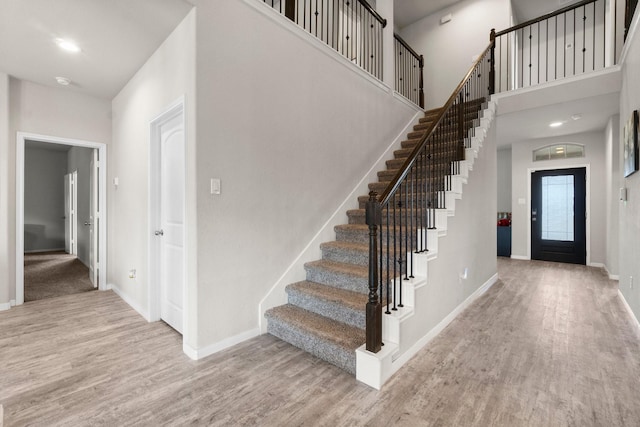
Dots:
pixel 325 314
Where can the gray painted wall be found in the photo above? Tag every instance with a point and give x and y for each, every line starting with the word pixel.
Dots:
pixel 612 183
pixel 449 49
pixel 629 254
pixel 44 199
pixel 290 130
pixel 522 161
pixel 504 179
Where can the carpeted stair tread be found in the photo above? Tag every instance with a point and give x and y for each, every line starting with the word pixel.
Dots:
pixel 352 300
pixel 330 340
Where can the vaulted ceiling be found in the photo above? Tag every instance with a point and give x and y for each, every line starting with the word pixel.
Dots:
pixel 117 36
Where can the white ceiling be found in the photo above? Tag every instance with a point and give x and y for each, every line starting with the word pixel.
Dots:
pixel 116 38
pixel 526 114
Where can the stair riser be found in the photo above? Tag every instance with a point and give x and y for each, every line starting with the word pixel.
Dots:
pixel 337 279
pixel 470 121
pixel 363 237
pixel 380 187
pixel 329 309
pixel 349 256
pixel 418 199
pixel 412 218
pixel 324 350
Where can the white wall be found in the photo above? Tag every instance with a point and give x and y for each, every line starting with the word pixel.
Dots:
pixel 449 49
pixel 612 184
pixel 504 179
pixel 522 161
pixel 79 159
pixel 168 75
pixel 44 110
pixel 630 211
pixel 470 244
pixel 289 129
pixel 44 172
pixel 5 205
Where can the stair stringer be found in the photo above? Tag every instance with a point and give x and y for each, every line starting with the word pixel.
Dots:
pixel 277 295
pixel 374 369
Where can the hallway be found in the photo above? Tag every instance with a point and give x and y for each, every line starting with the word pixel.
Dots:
pixel 549 344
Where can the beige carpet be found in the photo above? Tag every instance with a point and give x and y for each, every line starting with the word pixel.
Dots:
pixel 53 274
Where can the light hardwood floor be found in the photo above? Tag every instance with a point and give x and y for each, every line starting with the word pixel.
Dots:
pixel 548 345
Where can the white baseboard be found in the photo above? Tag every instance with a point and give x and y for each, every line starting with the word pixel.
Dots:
pixel 632 315
pixel 404 358
pixel 141 311
pixel 611 276
pixel 521 257
pixel 596 265
pixel 5 306
pixel 12 303
pixel 197 354
pixel 379 361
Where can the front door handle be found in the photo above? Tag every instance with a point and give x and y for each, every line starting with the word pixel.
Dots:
pixel 159 233
pixel 87 223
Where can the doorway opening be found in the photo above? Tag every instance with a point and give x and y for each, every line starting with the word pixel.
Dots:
pixel 559 215
pixel 60 216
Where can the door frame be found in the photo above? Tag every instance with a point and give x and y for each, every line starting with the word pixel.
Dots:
pixel 559 166
pixel 177 108
pixel 21 139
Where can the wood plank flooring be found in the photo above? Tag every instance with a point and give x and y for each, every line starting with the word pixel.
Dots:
pixel 548 345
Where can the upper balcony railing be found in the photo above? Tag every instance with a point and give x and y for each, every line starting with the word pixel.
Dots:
pixel 574 40
pixel 409 69
pixel 355 30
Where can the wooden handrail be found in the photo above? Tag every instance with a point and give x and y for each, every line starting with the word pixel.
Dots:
pixel 373 12
pixel 545 17
pixel 406 166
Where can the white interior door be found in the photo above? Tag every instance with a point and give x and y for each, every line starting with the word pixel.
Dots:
pixel 94 218
pixel 67 213
pixel 73 189
pixel 171 231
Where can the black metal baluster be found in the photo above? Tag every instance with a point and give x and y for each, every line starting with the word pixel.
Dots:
pixel 388 258
pixel 395 252
pixel 546 64
pixel 538 52
pixel 573 70
pixel 412 233
pixel 584 37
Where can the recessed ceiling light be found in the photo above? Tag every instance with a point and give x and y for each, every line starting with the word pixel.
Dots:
pixel 68 45
pixel 556 124
pixel 576 117
pixel 63 81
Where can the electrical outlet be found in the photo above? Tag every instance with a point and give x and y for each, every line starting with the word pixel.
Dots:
pixel 132 274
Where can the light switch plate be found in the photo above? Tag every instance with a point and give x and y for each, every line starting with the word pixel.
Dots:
pixel 215 186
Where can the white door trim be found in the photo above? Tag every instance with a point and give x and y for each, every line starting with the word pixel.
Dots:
pixel 22 137
pixel 175 109
pixel 587 207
